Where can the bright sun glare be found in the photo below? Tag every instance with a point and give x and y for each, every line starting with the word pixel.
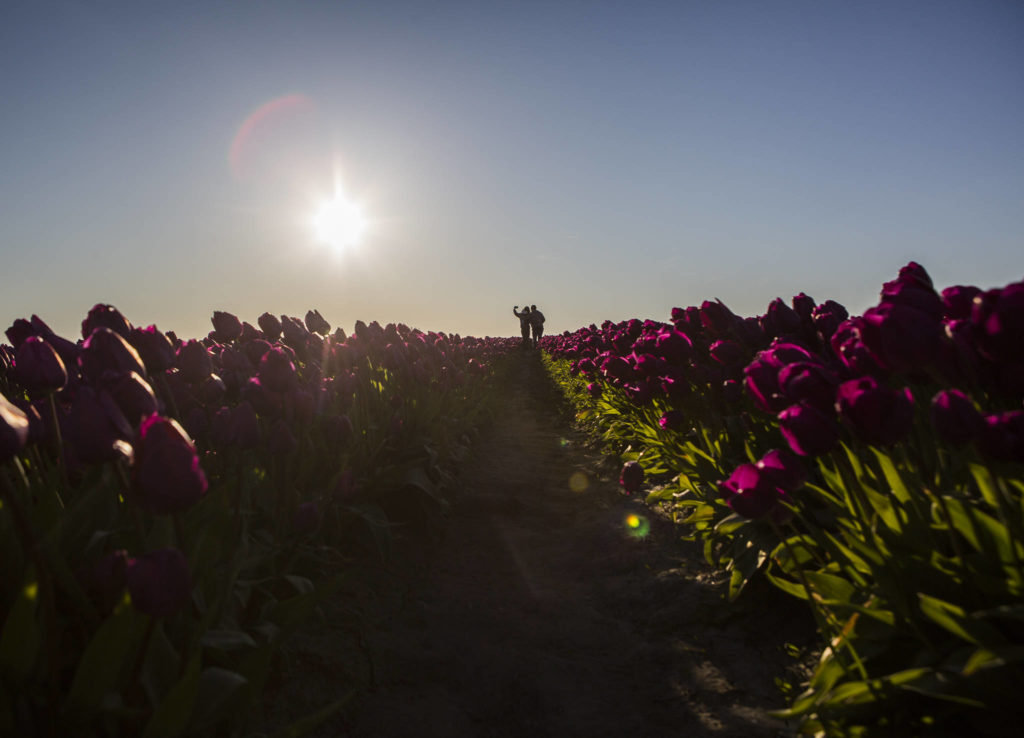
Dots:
pixel 339 222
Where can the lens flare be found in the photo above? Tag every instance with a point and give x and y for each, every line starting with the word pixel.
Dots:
pixel 578 482
pixel 262 119
pixel 637 526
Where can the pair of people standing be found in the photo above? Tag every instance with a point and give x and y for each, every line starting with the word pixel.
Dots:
pixel 530 319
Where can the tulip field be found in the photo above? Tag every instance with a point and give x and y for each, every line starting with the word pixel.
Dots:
pixel 870 466
pixel 172 510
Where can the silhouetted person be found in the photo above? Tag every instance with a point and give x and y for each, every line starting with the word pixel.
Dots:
pixel 537 323
pixel 524 323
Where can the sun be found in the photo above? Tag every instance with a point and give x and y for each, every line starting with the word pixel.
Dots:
pixel 339 222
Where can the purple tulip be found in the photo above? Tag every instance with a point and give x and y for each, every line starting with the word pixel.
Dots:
pixel 1002 438
pixel 106 351
pixel 878 415
pixel 914 273
pixel 780 319
pixel 632 477
pixel 716 318
pixel 848 344
pixel 958 301
pixel 133 395
pixel 673 420
pixel 914 296
pixel 901 338
pixel 345 487
pixel 107 578
pixel 276 371
pixel 728 353
pixel 827 317
pixel 809 382
pixel 245 428
pixel 270 326
pixel 166 476
pixel 784 468
pixel 998 317
pixel 281 441
pixel 803 305
pixel 194 362
pixel 955 418
pixel 316 324
pixel 307 518
pixel 227 326
pixel 13 429
pixel 751 491
pixel 97 428
pixel 159 582
pixel 807 430
pixel 105 316
pixel 674 346
pixel 154 347
pixel 594 389
pixel 38 367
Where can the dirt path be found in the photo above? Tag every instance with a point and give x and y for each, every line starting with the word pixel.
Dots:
pixel 540 615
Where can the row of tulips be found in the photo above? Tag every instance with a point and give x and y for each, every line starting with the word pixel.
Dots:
pixel 872 466
pixel 173 509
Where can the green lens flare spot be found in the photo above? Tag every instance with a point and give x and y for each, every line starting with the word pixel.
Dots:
pixel 578 482
pixel 637 526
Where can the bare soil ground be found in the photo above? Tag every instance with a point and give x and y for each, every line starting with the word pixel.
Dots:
pixel 539 614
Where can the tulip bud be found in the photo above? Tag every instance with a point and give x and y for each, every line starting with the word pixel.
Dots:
pixel 270 326
pixel 226 326
pixel 38 367
pixel 107 351
pixel 632 477
pixel 159 582
pixel 276 371
pixel 105 316
pixel 154 347
pixel 751 491
pixel 955 418
pixel 877 414
pixel 194 362
pixel 166 476
pixel 807 430
pixel 97 428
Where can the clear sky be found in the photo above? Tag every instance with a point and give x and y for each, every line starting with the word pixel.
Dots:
pixel 598 159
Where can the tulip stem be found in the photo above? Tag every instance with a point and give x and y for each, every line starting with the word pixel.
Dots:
pixel 58 443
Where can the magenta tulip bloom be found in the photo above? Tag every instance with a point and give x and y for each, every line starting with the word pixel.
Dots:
pixel 878 415
pixel 276 371
pixel 673 420
pixel 807 430
pixel 958 301
pixel 826 318
pixel 97 428
pixel 751 491
pixel 998 316
pixel 784 468
pixel 227 326
pixel 728 353
pixel 13 429
pixel 803 305
pixel 159 582
pixel 166 476
pixel 134 396
pixel 316 324
pixel 105 316
pixel 594 389
pixel 808 382
pixel 38 367
pixel 632 477
pixel 780 319
pixel 154 347
pixel 270 326
pixel 955 418
pixel 106 351
pixel 194 362
pixel 1002 438
pixel 901 338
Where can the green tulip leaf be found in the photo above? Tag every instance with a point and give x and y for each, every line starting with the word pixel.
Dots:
pixel 172 715
pixel 105 658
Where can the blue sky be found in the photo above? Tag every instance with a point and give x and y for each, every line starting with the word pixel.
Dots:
pixel 602 160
